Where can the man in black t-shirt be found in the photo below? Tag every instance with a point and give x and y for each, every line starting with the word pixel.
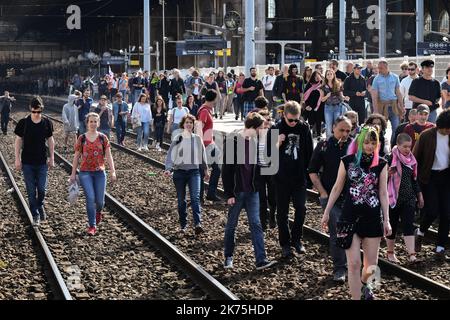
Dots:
pixel 252 88
pixel 294 149
pixel 31 156
pixel 323 170
pixel 426 90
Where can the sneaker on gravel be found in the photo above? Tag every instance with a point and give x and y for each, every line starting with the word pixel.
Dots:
pixel 339 276
pixel 228 264
pixel 367 293
pixel 265 264
pixel 36 221
pixel 91 231
pixel 42 214
pixel 198 229
pixel 286 252
pixel 299 248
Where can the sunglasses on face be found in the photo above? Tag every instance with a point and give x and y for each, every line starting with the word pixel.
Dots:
pixel 411 69
pixel 36 112
pixel 293 120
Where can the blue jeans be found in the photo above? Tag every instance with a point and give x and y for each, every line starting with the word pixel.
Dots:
pixel 181 178
pixel 121 129
pixel 36 184
pixel 332 112
pixel 82 128
pixel 106 132
pixel 433 116
pixel 337 254
pixel 248 106
pixel 124 94
pixel 136 94
pixel 174 126
pixel 395 119
pixel 144 130
pixel 249 201
pixel 94 186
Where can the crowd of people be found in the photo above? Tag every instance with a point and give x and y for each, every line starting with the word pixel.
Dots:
pixel 370 179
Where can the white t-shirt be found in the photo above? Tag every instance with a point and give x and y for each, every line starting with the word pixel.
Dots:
pixel 442 155
pixel 143 110
pixel 268 82
pixel 178 114
pixel 404 89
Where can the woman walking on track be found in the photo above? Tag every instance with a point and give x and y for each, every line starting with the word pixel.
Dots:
pixel 93 147
pixel 365 216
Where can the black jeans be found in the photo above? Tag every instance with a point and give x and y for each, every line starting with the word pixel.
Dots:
pixel 436 195
pixel 4 121
pixel 266 191
pixel 238 107
pixel 362 113
pixel 213 182
pixel 406 214
pixel 159 134
pixel 285 192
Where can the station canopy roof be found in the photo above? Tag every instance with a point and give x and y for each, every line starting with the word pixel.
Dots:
pixel 45 20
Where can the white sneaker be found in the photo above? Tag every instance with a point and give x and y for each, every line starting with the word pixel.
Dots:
pixel 139 149
pixel 145 148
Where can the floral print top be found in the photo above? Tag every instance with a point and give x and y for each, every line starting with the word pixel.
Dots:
pixel 92 153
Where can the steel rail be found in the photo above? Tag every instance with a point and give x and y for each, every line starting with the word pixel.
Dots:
pixel 57 284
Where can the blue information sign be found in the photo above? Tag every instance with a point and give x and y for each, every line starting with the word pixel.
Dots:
pixel 429 48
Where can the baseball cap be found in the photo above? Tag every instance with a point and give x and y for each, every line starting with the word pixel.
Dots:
pixel 357 66
pixel 427 63
pixel 423 108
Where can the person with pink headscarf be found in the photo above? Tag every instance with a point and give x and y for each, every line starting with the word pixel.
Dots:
pixel 404 192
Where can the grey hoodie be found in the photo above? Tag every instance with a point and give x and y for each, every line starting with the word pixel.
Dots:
pixel 70 115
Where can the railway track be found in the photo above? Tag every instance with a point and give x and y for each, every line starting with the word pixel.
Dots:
pixel 27 267
pixel 120 263
pixel 408 276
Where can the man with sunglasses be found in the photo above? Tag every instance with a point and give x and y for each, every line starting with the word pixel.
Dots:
pixel 426 90
pixel 31 156
pixel 405 84
pixel 294 147
pixel 323 170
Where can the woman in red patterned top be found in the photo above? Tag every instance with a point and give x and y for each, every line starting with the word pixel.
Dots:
pixel 93 147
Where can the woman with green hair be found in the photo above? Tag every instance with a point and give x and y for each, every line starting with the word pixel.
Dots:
pixel 365 216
